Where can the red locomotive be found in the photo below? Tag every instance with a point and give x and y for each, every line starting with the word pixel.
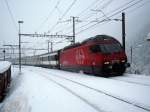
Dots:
pixel 100 55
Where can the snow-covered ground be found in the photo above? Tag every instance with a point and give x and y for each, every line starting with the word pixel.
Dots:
pixel 47 90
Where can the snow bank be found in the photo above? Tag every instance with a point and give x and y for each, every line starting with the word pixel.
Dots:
pixel 4 65
pixel 32 93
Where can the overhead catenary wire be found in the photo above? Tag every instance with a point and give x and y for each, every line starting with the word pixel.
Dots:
pixel 64 14
pixel 86 8
pixel 49 15
pixel 118 9
pixel 108 13
pixel 11 15
pixel 93 3
pixel 104 5
pixel 110 16
pixel 126 4
pixel 140 6
pixel 81 13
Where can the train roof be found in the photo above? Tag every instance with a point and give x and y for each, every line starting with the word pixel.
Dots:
pixel 98 38
pixel 72 46
pixel 91 39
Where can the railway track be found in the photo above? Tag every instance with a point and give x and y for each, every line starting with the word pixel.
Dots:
pixel 93 89
pixel 126 79
pixel 73 93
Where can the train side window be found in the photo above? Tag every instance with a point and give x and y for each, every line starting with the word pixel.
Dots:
pixel 95 48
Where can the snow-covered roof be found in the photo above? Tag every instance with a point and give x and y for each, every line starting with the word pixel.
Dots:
pixel 4 65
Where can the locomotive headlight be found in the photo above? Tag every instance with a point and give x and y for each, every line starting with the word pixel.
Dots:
pixel 123 61
pixel 106 63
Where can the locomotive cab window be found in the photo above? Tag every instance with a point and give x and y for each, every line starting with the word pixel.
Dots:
pixel 95 48
pixel 111 48
pixel 106 48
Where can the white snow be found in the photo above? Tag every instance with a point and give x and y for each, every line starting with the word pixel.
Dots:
pixel 4 65
pixel 38 90
pixel 134 78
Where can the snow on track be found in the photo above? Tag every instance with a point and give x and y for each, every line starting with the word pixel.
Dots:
pixel 134 104
pixel 74 93
pixel 34 93
pixel 44 90
pixel 137 95
pixel 136 79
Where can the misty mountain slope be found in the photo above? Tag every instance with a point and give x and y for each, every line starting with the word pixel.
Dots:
pixel 140 56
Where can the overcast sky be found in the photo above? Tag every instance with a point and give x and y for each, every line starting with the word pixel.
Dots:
pixel 52 16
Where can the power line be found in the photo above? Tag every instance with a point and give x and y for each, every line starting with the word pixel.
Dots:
pixel 101 12
pixel 109 13
pixel 110 16
pixel 140 6
pixel 68 9
pixel 50 14
pixel 93 3
pixel 106 5
pixel 11 15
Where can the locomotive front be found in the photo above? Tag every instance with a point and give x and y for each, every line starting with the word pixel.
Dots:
pixel 109 58
pixel 101 55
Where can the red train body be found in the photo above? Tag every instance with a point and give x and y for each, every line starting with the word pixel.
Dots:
pixel 100 55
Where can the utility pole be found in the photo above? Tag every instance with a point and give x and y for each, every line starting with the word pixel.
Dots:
pixel 73 40
pixel 19 46
pixel 123 25
pixel 123 31
pixel 131 53
pixel 73 33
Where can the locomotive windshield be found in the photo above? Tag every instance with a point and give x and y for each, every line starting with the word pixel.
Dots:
pixel 110 48
pixel 106 48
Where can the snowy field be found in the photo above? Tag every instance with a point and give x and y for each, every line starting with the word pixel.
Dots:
pixel 47 90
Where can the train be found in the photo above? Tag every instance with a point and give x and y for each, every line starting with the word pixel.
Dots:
pixel 101 55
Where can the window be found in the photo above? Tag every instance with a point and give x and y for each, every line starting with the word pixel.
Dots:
pixel 106 48
pixel 110 48
pixel 95 48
